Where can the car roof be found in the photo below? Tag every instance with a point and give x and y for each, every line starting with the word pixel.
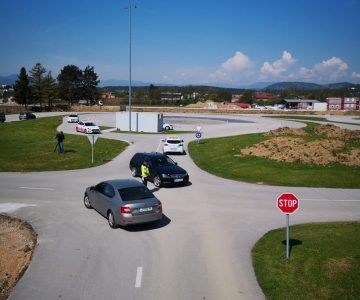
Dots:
pixel 154 154
pixel 123 183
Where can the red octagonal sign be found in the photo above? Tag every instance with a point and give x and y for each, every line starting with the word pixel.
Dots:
pixel 288 203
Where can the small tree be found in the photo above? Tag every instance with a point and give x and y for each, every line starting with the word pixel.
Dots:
pixel 49 88
pixel 22 92
pixel 69 83
pixel 89 84
pixel 37 82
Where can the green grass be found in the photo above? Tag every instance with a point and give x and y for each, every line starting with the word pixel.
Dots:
pixel 29 146
pixel 324 262
pixel 220 157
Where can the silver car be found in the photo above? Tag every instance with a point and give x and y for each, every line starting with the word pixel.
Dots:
pixel 123 202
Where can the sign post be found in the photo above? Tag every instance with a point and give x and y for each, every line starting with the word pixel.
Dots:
pixel 198 135
pixel 92 139
pixel 288 203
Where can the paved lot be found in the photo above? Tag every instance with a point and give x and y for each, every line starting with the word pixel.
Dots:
pixel 202 248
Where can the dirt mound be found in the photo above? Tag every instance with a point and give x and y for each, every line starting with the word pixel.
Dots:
pixel 332 131
pixel 332 146
pixel 286 131
pixel 17 243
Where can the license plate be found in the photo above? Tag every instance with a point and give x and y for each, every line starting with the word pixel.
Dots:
pixel 178 180
pixel 145 209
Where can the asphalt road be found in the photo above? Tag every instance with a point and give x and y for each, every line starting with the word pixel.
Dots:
pixel 200 250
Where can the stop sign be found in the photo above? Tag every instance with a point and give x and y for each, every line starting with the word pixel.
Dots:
pixel 287 203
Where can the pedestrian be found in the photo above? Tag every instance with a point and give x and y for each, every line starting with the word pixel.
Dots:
pixel 145 171
pixel 60 137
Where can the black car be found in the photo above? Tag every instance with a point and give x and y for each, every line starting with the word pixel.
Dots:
pixel 26 116
pixel 163 170
pixel 2 117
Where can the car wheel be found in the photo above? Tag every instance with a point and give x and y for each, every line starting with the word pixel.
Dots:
pixel 133 172
pixel 157 181
pixel 111 219
pixel 87 201
pixel 167 128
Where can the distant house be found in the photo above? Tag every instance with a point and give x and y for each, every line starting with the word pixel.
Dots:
pixel 347 103
pixel 300 103
pixel 108 95
pixel 264 96
pixel 170 96
pixel 237 105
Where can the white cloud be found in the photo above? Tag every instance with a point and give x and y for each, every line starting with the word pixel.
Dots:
pixel 234 69
pixel 355 75
pixel 279 67
pixel 331 69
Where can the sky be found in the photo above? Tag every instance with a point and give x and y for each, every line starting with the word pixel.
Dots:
pixel 224 43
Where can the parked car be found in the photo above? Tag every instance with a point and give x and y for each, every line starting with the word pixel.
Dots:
pixel 73 118
pixel 2 117
pixel 26 116
pixel 123 202
pixel 163 170
pixel 173 144
pixel 167 126
pixel 87 127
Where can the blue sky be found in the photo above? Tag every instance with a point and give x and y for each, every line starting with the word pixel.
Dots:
pixel 229 42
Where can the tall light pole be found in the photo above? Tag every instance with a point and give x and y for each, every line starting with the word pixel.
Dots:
pixel 130 8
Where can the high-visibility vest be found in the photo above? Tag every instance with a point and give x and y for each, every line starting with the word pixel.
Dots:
pixel 144 171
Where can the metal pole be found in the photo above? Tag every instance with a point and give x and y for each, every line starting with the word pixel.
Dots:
pixel 92 150
pixel 287 236
pixel 130 67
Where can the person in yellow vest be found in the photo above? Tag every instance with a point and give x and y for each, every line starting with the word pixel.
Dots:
pixel 145 172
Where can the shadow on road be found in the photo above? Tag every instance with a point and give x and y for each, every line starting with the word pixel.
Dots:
pixel 150 226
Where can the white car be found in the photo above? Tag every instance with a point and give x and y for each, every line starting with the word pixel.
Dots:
pixel 73 118
pixel 167 126
pixel 87 127
pixel 173 144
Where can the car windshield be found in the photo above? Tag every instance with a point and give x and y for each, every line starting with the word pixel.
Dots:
pixel 73 116
pixel 89 124
pixel 162 161
pixel 135 193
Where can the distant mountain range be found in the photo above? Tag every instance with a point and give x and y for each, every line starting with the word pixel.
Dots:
pixel 268 86
pixel 8 80
pixel 306 86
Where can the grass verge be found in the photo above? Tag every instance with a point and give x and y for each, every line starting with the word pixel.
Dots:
pixel 324 262
pixel 29 146
pixel 220 156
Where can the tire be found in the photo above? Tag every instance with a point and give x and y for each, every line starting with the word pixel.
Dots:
pixel 167 128
pixel 134 172
pixel 157 181
pixel 87 201
pixel 111 219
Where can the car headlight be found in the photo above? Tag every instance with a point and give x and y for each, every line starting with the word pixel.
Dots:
pixel 165 176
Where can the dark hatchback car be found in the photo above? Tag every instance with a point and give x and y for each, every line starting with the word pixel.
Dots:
pixel 26 116
pixel 163 170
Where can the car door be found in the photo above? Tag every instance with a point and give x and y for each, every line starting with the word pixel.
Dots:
pixel 106 199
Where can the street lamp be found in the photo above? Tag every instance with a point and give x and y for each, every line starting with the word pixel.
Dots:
pixel 130 8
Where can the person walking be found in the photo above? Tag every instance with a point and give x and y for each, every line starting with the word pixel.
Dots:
pixel 145 172
pixel 60 137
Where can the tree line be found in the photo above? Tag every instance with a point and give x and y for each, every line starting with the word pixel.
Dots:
pixel 40 87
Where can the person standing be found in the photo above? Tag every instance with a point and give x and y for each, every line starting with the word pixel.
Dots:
pixel 60 137
pixel 145 172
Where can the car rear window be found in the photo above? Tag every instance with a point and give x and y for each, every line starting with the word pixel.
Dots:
pixel 173 141
pixel 135 193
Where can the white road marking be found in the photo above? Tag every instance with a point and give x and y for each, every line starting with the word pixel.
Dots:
pixel 330 200
pixel 11 207
pixel 139 272
pixel 36 188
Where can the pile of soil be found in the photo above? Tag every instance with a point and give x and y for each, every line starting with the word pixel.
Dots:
pixel 17 244
pixel 289 145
